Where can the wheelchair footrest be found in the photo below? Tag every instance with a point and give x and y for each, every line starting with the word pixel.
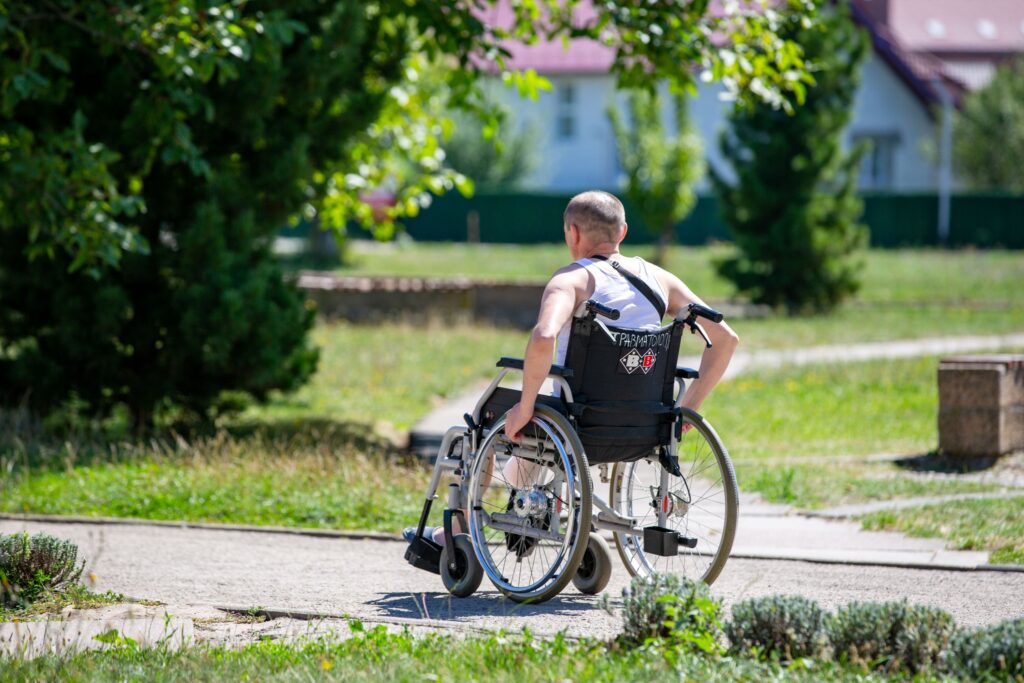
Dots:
pixel 423 553
pixel 665 542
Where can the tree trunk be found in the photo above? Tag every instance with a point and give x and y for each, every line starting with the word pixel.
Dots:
pixel 664 242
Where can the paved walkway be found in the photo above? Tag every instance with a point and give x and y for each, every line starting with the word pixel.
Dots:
pixel 191 570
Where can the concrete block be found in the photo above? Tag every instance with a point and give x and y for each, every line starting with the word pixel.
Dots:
pixel 981 405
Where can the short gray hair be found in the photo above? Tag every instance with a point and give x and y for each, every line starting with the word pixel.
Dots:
pixel 599 215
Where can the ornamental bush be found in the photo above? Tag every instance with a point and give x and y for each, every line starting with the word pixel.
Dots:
pixel 673 608
pixel 991 651
pixel 33 565
pixel 785 627
pixel 891 636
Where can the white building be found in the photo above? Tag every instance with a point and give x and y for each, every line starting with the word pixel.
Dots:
pixel 896 108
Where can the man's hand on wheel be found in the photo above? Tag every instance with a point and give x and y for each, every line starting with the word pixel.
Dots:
pixel 517 418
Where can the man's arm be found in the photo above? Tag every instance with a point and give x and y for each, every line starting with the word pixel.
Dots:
pixel 556 308
pixel 723 342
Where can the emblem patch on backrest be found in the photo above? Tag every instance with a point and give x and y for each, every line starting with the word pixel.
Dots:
pixel 633 361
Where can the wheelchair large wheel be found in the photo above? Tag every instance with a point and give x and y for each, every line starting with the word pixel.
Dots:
pixel 530 534
pixel 702 505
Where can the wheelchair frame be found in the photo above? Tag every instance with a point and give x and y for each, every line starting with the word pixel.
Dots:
pixel 461 445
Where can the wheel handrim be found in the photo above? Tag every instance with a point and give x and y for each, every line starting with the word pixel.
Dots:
pixel 704 490
pixel 548 560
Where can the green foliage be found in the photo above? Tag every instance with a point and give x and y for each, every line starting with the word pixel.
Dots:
pixel 990 651
pixel 499 162
pixel 793 209
pixel 671 608
pixel 988 132
pixel 662 167
pixel 891 636
pixel 31 566
pixel 149 152
pixel 784 627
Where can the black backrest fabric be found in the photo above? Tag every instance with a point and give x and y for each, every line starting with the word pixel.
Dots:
pixel 622 386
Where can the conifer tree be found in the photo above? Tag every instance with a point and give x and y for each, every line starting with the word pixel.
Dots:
pixel 793 208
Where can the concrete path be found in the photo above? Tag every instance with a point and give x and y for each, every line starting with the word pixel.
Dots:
pixel 425 436
pixel 189 568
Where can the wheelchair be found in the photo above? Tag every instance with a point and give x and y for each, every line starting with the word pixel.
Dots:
pixel 534 522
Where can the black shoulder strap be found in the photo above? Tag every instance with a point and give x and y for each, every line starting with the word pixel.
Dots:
pixel 640 285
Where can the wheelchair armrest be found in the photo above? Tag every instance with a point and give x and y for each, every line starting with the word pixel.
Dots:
pixel 517 364
pixel 687 373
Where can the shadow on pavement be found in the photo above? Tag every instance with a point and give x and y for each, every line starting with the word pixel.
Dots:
pixel 442 605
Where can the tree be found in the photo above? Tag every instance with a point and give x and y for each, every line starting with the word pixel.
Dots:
pixel 491 164
pixel 661 167
pixel 988 133
pixel 793 208
pixel 150 151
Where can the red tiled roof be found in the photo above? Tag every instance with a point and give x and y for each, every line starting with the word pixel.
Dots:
pixel 582 56
pixel 959 25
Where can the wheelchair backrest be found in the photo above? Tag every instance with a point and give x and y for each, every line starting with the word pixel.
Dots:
pixel 619 364
pixel 622 381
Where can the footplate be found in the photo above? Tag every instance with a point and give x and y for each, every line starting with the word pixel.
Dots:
pixel 423 553
pixel 665 542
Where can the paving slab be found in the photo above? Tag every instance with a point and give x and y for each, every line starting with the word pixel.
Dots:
pixel 368 579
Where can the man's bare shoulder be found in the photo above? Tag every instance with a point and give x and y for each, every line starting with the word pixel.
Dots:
pixel 571 274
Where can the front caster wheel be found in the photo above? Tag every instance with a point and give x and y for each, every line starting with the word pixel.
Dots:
pixel 466 578
pixel 595 568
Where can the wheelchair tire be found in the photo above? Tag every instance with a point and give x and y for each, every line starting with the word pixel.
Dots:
pixel 558 532
pixel 595 569
pixel 707 496
pixel 464 581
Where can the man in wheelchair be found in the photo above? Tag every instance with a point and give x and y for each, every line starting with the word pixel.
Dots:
pixel 614 401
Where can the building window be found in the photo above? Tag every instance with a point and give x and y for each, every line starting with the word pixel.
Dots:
pixel 877 166
pixel 565 113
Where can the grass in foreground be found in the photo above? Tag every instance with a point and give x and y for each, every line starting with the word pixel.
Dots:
pixel 377 655
pixel 77 596
pixel 996 525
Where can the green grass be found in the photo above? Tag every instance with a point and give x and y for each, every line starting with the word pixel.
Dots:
pixel 336 475
pixel 77 596
pixel 310 475
pixel 391 374
pixel 994 525
pixel 378 656
pixel 907 293
pixel 906 276
pixel 817 486
pixel 883 406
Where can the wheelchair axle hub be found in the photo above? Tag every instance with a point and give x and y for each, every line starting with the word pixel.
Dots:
pixel 531 503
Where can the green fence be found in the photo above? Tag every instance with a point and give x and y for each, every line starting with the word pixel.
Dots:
pixel 895 220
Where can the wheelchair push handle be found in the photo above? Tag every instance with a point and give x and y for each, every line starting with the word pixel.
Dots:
pixel 704 312
pixel 600 309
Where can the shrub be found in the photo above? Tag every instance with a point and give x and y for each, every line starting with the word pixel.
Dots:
pixel 892 636
pixel 994 651
pixel 666 606
pixel 785 627
pixel 31 566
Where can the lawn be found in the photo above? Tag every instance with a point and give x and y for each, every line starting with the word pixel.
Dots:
pixel 996 525
pixel 895 276
pixel 979 292
pixel 335 474
pixel 379 656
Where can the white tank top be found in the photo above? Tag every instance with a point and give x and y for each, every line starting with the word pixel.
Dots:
pixel 612 289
